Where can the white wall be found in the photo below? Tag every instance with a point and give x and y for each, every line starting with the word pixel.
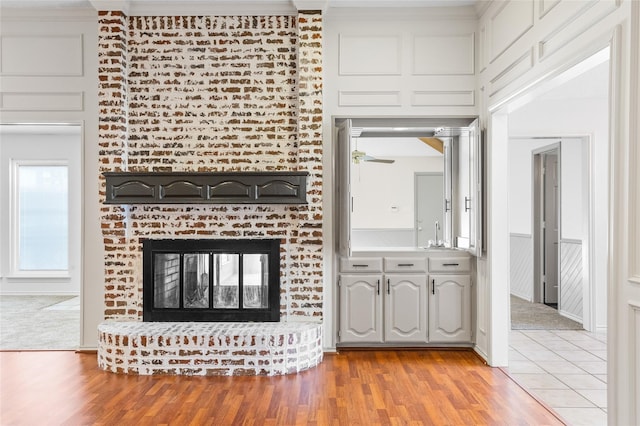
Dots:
pixel 573 173
pixel 49 72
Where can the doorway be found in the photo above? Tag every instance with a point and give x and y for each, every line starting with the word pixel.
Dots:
pixel 546 209
pixel 40 257
pixel 429 215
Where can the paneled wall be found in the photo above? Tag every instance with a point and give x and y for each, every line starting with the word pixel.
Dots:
pixel 421 63
pixel 48 67
pixel 521 266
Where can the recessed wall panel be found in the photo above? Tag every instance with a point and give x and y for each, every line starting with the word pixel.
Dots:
pixel 508 24
pixel 443 98
pixel 512 72
pixel 443 55
pixel 579 21
pixel 41 55
pixel 546 6
pixel 369 98
pixel 370 55
pixel 63 101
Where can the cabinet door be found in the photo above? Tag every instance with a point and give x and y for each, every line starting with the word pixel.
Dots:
pixel 405 309
pixel 360 308
pixel 450 308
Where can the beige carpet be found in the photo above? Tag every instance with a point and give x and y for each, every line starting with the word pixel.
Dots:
pixel 39 322
pixel 537 316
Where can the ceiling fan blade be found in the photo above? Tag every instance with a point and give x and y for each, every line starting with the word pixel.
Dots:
pixel 371 159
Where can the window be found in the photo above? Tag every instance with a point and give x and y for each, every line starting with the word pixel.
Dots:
pixel 41 218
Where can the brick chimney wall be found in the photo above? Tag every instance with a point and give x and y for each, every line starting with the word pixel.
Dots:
pixel 192 93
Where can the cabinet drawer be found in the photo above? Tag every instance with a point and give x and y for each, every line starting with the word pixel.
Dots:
pixel 361 264
pixel 449 264
pixel 405 264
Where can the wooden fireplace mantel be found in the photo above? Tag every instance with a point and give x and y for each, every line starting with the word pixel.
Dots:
pixel 206 188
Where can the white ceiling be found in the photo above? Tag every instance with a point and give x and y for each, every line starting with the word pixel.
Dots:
pixel 248 5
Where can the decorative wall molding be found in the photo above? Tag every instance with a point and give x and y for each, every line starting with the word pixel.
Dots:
pixel 634 155
pixel 41 55
pixel 521 266
pixel 546 6
pixel 517 68
pixel 444 54
pixel 510 22
pixel 203 7
pixel 348 98
pixel 356 57
pixel 443 98
pixel 207 188
pixel 571 279
pixel 41 101
pixel 588 15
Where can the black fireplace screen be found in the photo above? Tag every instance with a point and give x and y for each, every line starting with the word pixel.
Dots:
pixel 211 280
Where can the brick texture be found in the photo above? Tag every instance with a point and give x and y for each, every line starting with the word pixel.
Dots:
pixel 209 349
pixel 212 94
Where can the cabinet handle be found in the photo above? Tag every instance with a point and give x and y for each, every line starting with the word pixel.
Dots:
pixel 388 286
pixel 405 264
pixel 378 287
pixel 433 286
pixel 467 204
pixel 450 264
pixel 447 205
pixel 360 266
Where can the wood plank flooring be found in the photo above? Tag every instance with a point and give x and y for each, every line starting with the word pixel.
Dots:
pixel 408 387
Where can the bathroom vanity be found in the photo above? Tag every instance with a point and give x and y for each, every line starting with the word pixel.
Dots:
pixel 405 297
pixel 409 231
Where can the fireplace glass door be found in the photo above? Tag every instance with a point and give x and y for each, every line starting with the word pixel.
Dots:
pixel 198 285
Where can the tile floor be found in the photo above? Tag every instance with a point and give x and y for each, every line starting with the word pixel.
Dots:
pixel 566 369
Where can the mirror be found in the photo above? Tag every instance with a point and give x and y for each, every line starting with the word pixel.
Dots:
pixel 399 181
pixel 396 203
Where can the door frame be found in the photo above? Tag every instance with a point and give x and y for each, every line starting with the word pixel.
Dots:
pixel 537 214
pixel 445 221
pixel 76 236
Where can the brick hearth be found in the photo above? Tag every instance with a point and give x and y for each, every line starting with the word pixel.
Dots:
pixel 209 349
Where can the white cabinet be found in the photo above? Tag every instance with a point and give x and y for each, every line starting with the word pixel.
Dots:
pixel 449 300
pixel 405 308
pixel 394 301
pixel 390 307
pixel 361 308
pixel 450 308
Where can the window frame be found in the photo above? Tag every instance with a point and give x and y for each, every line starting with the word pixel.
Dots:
pixel 14 222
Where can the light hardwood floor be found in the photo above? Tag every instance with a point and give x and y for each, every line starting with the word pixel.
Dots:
pixel 350 388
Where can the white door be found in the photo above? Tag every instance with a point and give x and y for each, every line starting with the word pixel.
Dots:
pixel 40 218
pixel 429 214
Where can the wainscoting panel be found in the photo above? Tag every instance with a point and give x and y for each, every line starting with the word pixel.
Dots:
pixel 356 59
pixel 521 266
pixel 52 55
pixel 571 279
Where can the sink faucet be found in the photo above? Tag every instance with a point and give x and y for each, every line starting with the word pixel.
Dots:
pixel 436 241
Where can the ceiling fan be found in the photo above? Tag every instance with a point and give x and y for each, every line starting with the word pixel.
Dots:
pixel 358 156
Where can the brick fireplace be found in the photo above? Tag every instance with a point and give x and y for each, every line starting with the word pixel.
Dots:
pixel 212 94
